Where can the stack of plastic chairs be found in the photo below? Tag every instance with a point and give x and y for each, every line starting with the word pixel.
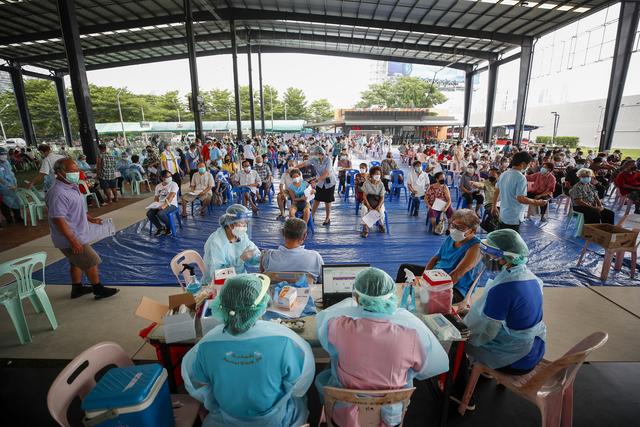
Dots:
pixel 31 206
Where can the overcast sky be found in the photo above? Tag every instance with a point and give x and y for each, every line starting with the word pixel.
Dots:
pixel 340 80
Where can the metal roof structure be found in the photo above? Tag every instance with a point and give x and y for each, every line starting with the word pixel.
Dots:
pixel 114 33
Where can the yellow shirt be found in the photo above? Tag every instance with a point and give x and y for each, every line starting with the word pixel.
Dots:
pixel 229 167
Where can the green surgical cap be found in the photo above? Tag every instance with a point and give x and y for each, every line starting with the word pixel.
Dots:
pixel 241 302
pixel 235 213
pixel 376 291
pixel 510 241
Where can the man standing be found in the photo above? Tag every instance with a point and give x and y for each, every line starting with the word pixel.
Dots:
pixel 249 152
pixel 69 225
pixel 106 169
pixel 511 192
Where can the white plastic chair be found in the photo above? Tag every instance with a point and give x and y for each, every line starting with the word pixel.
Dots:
pixel 369 403
pixel 78 378
pixel 549 386
pixel 87 194
pixel 185 257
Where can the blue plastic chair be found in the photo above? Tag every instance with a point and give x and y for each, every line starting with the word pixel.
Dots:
pixel 209 206
pixel 579 217
pixel 270 194
pixel 396 185
pixel 424 167
pixel 24 286
pixel 374 163
pixel 310 224
pixel 350 182
pixel 239 193
pixel 173 218
pixel 452 184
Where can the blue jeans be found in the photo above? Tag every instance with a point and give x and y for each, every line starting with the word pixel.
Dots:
pixel 157 215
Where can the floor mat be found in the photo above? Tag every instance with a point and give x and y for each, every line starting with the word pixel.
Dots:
pixel 134 257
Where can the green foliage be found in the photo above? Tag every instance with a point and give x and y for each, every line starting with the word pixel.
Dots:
pixel 403 92
pixel 43 106
pixel 566 141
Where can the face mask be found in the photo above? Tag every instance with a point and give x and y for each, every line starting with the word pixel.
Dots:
pixel 585 180
pixel 579 166
pixel 297 179
pixel 363 171
pixel 544 170
pixel 343 157
pixel 247 169
pixel 441 181
pixel 457 235
pixel 168 180
pixel 376 177
pixel 3 158
pixel 470 171
pixel 72 177
pixel 417 169
pixel 202 170
pixel 239 232
pixel 492 179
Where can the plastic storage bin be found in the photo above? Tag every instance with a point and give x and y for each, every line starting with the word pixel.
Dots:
pixel 436 293
pixel 135 396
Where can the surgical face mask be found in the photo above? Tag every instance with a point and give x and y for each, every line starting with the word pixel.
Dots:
pixel 3 158
pixel 343 157
pixel 470 171
pixel 543 170
pixel 247 169
pixel 202 170
pixel 72 177
pixel 441 181
pixel 418 169
pixel 579 165
pixel 362 170
pixel 167 180
pixel 457 235
pixel 297 179
pixel 376 177
pixel 585 179
pixel 239 231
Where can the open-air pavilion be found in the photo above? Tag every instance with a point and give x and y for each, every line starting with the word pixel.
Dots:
pixel 72 37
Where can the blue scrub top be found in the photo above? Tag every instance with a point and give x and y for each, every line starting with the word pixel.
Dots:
pixel 511 184
pixel 449 258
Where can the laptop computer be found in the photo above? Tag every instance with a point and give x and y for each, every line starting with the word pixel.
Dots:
pixel 337 282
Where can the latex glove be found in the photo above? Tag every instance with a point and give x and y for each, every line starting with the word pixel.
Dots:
pixel 247 254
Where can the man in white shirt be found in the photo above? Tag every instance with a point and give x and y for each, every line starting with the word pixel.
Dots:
pixel 166 197
pixel 250 179
pixel 249 152
pixel 201 184
pixel 46 168
pixel 417 183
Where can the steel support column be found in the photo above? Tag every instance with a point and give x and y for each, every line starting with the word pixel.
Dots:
pixel 78 76
pixel 468 95
pixel 62 107
pixel 491 100
pixel 262 131
pixel 196 104
pixel 526 59
pixel 236 86
pixel 252 112
pixel 627 27
pixel 21 101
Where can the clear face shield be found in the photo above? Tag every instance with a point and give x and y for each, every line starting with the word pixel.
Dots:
pixel 492 255
pixel 241 224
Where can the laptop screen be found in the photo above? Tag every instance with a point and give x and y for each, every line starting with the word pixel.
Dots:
pixel 339 278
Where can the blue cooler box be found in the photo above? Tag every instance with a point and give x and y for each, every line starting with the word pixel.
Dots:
pixel 135 396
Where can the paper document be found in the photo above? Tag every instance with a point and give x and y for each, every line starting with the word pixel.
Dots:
pixel 298 306
pixel 100 231
pixel 118 174
pixel 154 205
pixel 192 193
pixel 371 218
pixel 439 205
pixel 152 170
pixel 308 193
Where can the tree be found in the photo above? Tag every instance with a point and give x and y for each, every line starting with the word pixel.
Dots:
pixel 320 110
pixel 220 104
pixel 403 92
pixel 271 102
pixel 296 103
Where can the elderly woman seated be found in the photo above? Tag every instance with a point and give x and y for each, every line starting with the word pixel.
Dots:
pixel 458 255
pixel 584 197
pixel 374 345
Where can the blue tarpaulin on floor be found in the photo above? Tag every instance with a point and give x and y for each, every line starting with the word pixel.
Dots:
pixel 134 257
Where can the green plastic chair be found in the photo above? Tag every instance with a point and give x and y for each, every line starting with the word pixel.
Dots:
pixel 25 286
pixel 28 207
pixel 136 181
pixel 88 194
pixel 38 201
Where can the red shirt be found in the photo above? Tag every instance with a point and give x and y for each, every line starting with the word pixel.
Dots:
pixel 205 152
pixel 624 180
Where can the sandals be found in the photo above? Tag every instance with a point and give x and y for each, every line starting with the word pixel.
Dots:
pixel 327 222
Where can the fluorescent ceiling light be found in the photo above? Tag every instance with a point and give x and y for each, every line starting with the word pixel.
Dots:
pixel 565 8
pixel 547 6
pixel 490 1
pixel 529 4
pixel 509 2
pixel 581 9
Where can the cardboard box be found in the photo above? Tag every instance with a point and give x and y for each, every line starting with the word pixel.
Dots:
pixel 609 236
pixel 207 323
pixel 178 327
